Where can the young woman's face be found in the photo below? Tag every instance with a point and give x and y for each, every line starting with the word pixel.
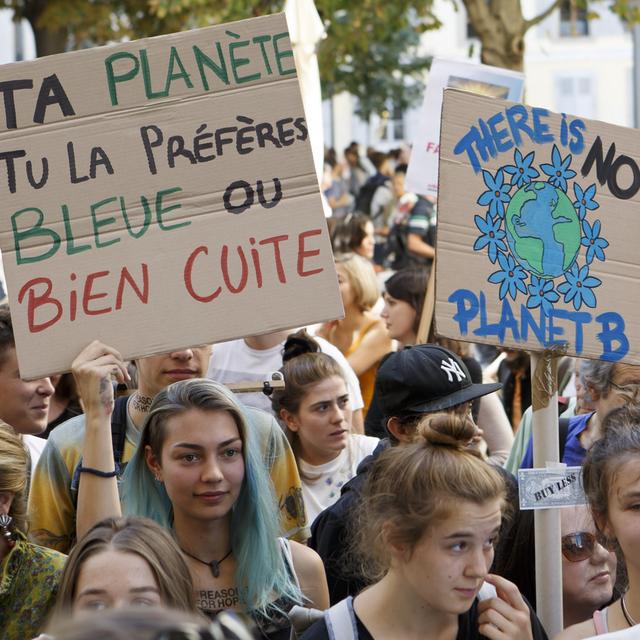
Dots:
pixel 201 464
pixel 447 567
pixel 323 420
pixel 400 318
pixel 345 286
pixel 113 580
pixel 586 583
pixel 623 519
pixel 368 242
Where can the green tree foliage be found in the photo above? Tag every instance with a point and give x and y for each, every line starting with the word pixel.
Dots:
pixel 371 49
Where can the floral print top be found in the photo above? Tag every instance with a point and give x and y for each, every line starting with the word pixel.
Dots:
pixel 29 578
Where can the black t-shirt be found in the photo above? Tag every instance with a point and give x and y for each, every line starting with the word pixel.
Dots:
pixel 467 628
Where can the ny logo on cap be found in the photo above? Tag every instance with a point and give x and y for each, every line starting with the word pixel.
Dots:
pixel 451 366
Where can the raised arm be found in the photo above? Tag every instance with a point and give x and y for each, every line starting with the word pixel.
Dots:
pixel 93 371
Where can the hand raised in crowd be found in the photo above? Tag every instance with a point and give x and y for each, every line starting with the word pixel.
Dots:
pixel 93 370
pixel 505 617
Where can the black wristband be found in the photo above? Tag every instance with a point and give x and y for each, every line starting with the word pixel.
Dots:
pixel 97 472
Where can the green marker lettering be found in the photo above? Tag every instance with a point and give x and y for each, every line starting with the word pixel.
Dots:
pixel 113 79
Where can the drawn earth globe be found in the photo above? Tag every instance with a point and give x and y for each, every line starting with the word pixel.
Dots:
pixel 562 247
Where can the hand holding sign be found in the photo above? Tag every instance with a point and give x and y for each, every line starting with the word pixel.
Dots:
pixel 93 371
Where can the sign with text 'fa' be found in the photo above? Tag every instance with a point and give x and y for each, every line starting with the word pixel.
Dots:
pixel 159 194
pixel 422 174
pixel 538 230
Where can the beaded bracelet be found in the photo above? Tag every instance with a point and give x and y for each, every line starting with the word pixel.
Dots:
pixel 97 472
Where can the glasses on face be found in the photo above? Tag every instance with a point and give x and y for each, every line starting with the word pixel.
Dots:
pixel 630 392
pixel 580 546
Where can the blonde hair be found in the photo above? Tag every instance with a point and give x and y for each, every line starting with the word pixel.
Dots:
pixel 14 465
pixel 413 486
pixel 362 279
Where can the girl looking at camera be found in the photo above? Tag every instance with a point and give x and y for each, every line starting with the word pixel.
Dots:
pixel 198 471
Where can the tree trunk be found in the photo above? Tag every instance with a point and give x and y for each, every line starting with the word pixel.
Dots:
pixel 500 26
pixel 49 41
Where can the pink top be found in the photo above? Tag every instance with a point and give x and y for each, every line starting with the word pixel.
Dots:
pixel 600 621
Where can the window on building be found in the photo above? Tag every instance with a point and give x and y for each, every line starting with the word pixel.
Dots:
pixel 575 94
pixel 391 128
pixel 573 18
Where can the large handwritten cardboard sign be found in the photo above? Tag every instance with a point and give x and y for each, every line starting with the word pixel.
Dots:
pixel 159 194
pixel 538 230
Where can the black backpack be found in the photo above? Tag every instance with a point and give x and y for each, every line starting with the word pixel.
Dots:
pixel 365 196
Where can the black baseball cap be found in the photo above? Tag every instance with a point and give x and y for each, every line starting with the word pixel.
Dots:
pixel 424 378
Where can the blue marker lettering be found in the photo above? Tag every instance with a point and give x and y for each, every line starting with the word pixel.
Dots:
pixel 612 331
pixel 465 144
pixel 517 117
pixel 499 134
pixel 464 313
pixel 541 129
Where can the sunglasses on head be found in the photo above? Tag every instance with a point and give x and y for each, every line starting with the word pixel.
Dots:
pixel 580 545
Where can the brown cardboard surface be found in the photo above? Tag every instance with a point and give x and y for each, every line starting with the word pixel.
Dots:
pixel 564 271
pixel 139 235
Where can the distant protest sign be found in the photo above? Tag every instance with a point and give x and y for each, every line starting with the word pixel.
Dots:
pixel 159 194
pixel 422 173
pixel 538 230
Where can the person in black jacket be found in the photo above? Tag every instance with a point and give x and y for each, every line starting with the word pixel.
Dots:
pixel 418 380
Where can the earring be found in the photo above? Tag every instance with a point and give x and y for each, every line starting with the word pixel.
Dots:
pixel 5 522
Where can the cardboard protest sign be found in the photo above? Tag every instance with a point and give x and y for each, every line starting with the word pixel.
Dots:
pixel 422 173
pixel 158 194
pixel 538 230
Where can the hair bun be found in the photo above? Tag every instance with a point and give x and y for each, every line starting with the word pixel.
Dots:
pixel 447 430
pixel 299 343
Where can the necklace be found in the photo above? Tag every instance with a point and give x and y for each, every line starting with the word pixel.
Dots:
pixel 625 612
pixel 214 565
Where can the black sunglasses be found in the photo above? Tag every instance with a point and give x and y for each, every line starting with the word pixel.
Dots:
pixel 579 546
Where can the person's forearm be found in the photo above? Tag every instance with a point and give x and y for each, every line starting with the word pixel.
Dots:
pixel 498 434
pixel 418 246
pixel 97 496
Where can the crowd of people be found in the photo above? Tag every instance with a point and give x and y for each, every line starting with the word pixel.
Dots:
pixel 372 496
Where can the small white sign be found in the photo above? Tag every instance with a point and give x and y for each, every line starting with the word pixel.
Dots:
pixel 550 488
pixel 422 173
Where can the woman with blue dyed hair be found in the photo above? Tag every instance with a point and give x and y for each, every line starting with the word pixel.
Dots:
pixel 198 471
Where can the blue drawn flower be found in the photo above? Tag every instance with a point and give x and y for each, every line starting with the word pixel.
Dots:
pixel 522 172
pixel 497 194
pixel 541 292
pixel 558 171
pixel 592 240
pixel 584 199
pixel 577 287
pixel 492 236
pixel 511 277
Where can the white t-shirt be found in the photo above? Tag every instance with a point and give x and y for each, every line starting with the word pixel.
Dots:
pixel 35 446
pixel 326 480
pixel 235 361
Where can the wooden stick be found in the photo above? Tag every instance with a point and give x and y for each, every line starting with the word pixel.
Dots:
pixel 544 396
pixel 428 307
pixel 254 386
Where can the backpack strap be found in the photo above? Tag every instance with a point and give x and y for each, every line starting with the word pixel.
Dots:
pixel 341 621
pixel 563 430
pixel 119 429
